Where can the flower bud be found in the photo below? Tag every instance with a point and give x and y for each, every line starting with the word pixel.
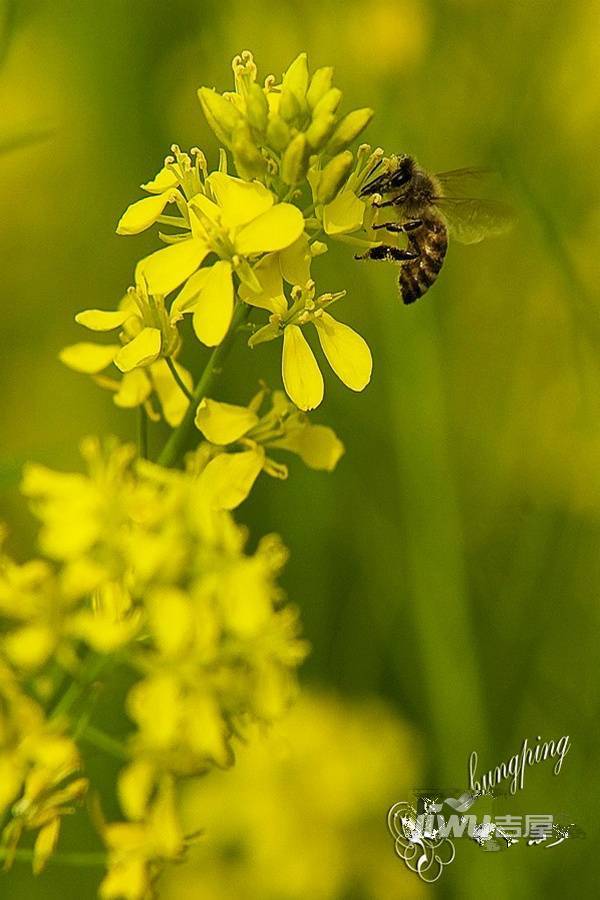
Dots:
pixel 349 129
pixel 289 107
pixel 249 161
pixel 295 160
pixel 333 176
pixel 320 130
pixel 328 103
pixel 266 333
pixel 221 115
pixel 320 83
pixel 318 248
pixel 278 133
pixel 257 108
pixel 295 80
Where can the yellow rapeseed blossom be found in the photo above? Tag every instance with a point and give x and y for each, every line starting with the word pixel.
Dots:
pixel 236 220
pixel 37 768
pixel 228 477
pixel 136 850
pixel 346 351
pixel 148 339
pixel 203 622
pixel 302 814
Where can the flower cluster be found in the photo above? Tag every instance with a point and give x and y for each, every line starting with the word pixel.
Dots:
pixel 142 569
pixel 142 564
pixel 246 239
pixel 39 767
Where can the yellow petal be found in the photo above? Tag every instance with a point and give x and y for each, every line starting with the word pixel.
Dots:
pixel 214 308
pixel 344 214
pixel 45 844
pixel 301 375
pixel 275 229
pixel 201 206
pixel 88 358
pixel 172 399
pixel 102 319
pixel 135 387
pixel 317 445
pixel 142 214
pixel 141 351
pixel 29 647
pixel 228 478
pixel 187 296
pixel 169 267
pixel 224 423
pixel 295 262
pixel 171 619
pixel 240 201
pixel 271 296
pixel 134 786
pixel 102 631
pixel 165 180
pixel 347 353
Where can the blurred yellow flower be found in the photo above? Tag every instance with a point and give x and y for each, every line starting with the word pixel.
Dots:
pixel 37 768
pixel 302 813
pixel 136 850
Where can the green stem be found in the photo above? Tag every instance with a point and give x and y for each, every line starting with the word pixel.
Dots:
pixel 143 433
pixel 177 443
pixel 83 858
pixel 104 742
pixel 92 669
pixel 178 379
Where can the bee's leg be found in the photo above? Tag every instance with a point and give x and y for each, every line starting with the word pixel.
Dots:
pixel 395 201
pixel 398 227
pixel 386 252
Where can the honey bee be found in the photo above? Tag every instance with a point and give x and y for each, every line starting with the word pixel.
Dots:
pixel 429 207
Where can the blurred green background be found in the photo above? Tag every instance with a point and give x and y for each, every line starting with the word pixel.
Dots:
pixel 450 565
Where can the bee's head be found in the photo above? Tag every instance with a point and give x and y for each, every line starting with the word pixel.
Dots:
pixel 389 175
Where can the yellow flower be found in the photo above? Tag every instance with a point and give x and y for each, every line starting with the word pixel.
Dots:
pixel 38 605
pixel 238 221
pixel 228 477
pixel 37 765
pixel 304 809
pixel 346 351
pixel 219 649
pixel 138 850
pixel 148 338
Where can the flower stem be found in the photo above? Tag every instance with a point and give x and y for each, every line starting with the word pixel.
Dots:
pixel 143 433
pixel 178 379
pixel 93 667
pixel 177 443
pixel 82 858
pixel 104 742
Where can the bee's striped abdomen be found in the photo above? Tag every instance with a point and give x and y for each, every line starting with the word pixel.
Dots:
pixel 430 241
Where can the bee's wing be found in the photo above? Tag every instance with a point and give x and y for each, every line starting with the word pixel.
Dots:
pixel 470 221
pixel 466 182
